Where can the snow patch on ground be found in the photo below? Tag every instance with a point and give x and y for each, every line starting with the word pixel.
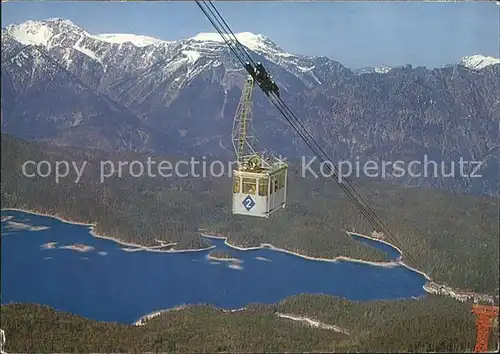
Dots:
pixel 313 323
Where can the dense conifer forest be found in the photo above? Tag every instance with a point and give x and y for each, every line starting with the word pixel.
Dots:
pixel 221 255
pixel 431 324
pixel 454 238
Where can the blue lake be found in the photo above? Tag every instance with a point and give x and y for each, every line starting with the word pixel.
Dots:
pixel 111 284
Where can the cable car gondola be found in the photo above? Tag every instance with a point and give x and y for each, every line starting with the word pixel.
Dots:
pixel 259 182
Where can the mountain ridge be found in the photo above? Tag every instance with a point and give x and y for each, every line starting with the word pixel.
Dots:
pixel 255 42
pixel 179 97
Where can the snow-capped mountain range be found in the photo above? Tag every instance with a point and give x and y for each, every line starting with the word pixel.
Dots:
pixel 474 62
pixel 67 41
pixel 478 62
pixel 123 91
pixel 63 35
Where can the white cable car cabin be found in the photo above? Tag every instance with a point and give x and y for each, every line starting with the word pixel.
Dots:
pixel 259 187
pixel 259 183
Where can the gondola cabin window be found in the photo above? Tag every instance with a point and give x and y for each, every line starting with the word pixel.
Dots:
pixel 263 186
pixel 237 184
pixel 281 180
pixel 249 185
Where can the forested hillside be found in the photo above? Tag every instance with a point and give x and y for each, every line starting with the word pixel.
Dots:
pixel 433 324
pixel 454 238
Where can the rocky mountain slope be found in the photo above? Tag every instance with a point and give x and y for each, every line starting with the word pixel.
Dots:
pixel 128 92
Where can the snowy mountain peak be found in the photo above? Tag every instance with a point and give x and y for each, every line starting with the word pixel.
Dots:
pixel 478 62
pixel 59 20
pixel 256 42
pixel 45 33
pixel 121 38
pixel 41 32
pixel 31 32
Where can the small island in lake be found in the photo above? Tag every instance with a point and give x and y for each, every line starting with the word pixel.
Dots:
pixel 222 256
pixel 78 247
pixel 19 226
pixel 49 245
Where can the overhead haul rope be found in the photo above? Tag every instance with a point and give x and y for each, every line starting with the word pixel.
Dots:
pixel 293 121
pixel 240 52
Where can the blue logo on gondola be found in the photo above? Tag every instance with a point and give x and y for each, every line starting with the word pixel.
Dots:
pixel 248 203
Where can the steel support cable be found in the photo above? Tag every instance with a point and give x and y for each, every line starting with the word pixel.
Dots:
pixel 293 121
pixel 373 215
pixel 350 190
pixel 318 155
pixel 365 210
pixel 229 31
pixel 220 32
pixel 280 105
pixel 344 187
pixel 348 193
pixel 223 23
pixel 279 101
pixel 232 43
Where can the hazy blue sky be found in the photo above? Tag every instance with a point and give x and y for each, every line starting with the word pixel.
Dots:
pixel 355 33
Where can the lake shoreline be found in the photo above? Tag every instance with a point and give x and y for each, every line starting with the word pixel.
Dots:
pixel 428 287
pixel 333 260
pixel 391 264
pixel 136 247
pixel 429 279
pixel 217 259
